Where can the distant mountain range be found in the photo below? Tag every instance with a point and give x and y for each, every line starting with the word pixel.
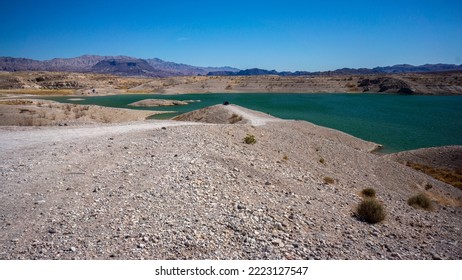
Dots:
pixel 118 65
pixel 155 67
pixel 401 68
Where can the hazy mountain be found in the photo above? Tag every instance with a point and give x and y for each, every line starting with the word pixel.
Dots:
pixel 403 68
pixel 78 64
pixel 155 67
pixel 184 69
pixel 406 68
pixel 127 67
pixel 119 65
pixel 20 64
pixel 247 72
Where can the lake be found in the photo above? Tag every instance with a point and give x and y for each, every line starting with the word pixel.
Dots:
pixel 398 122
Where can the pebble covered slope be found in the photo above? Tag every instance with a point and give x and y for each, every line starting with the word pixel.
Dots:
pixel 199 192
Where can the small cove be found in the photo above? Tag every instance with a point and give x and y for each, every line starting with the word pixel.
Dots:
pixel 399 122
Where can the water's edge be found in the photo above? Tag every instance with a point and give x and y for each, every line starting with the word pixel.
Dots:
pixel 395 121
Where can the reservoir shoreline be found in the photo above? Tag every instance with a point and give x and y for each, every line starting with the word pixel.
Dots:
pixel 399 122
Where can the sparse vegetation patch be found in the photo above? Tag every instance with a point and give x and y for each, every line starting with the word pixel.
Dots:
pixel 368 192
pixel 16 102
pixel 250 139
pixel 329 180
pixel 422 201
pixel 370 210
pixel 235 118
pixel 452 177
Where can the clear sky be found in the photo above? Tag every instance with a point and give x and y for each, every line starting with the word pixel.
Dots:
pixel 281 35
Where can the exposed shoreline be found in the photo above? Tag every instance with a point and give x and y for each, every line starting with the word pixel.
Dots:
pixel 41 112
pixel 38 111
pixel 188 190
pixel 64 83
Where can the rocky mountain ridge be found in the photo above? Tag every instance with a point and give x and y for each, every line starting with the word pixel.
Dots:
pixel 396 69
pixel 155 67
pixel 119 65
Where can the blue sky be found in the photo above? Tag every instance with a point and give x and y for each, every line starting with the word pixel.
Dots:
pixel 281 35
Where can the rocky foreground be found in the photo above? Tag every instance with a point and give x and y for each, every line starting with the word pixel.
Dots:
pixel 186 190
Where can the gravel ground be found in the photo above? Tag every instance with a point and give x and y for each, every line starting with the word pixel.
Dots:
pixel 199 192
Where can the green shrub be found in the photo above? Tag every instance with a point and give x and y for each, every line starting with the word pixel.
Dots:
pixel 420 201
pixel 368 192
pixel 371 211
pixel 250 139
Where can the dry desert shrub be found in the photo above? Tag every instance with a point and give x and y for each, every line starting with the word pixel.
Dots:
pixel 371 211
pixel 250 139
pixel 329 180
pixel 368 192
pixel 235 118
pixel 420 200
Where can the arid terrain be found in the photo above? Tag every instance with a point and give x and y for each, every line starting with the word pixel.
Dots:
pixel 37 112
pixel 185 189
pixel 64 83
pixel 223 182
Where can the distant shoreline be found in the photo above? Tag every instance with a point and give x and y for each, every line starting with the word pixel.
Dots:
pixel 81 84
pixel 367 116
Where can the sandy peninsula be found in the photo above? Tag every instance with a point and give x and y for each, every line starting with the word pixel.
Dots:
pixel 39 112
pixel 193 189
pixel 157 102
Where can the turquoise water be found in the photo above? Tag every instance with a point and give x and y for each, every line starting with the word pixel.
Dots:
pixel 399 122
